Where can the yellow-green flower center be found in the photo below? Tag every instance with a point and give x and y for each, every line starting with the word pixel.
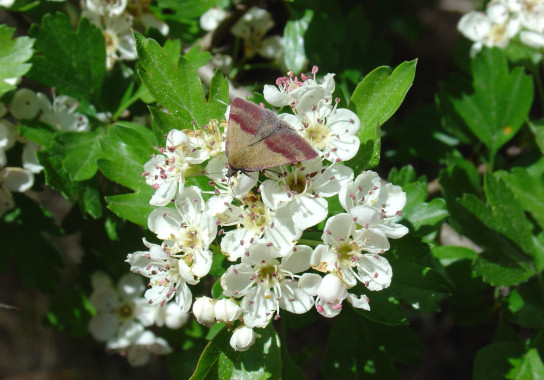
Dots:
pixel 317 134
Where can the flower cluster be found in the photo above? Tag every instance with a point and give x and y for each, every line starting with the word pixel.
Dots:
pixel 258 225
pixel 122 316
pixel 116 19
pixel 502 21
pixel 27 104
pixel 251 29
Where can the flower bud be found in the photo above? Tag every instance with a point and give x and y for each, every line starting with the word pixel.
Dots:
pixel 332 289
pixel 203 311
pixel 242 338
pixel 174 317
pixel 226 310
pixel 24 104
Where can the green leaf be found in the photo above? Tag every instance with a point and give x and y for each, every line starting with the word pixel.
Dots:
pixel 81 153
pixel 495 360
pixel 37 131
pixel 528 187
pixel 13 55
pixel 500 101
pixel 196 57
pixel 358 348
pixel 452 254
pixel 375 100
pixel 525 304
pixel 261 361
pixel 537 128
pixel 188 8
pixel 176 87
pixel 294 56
pixel 420 213
pixel 218 97
pixel 125 151
pixel 528 367
pixel 73 62
pixel 422 287
pixel 384 308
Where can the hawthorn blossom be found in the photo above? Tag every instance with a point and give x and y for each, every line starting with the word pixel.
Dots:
pixel 254 220
pixel 266 281
pixel 345 253
pixel 139 345
pixel 375 206
pixel 8 137
pixel 331 292
pixel 166 172
pixel 302 190
pixel 188 230
pixel 117 32
pixel 171 316
pixel 330 130
pixel 289 90
pixel 243 338
pixel 13 180
pixel 252 27
pixel 203 309
pixel 211 19
pixel 142 14
pixel 118 309
pixel 168 276
pixel 110 8
pixel 62 114
pixel 495 27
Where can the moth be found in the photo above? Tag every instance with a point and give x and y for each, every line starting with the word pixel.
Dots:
pixel 257 139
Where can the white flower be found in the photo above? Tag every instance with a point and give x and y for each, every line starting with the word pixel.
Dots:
pixel 212 18
pixel 375 206
pixel 62 113
pixel 106 7
pixel 166 172
pixel 142 14
pixel 8 137
pixel 268 284
pixel 120 44
pixel 331 292
pixel 203 309
pixel 24 104
pixel 118 310
pixel 139 345
pixel 168 276
pixel 171 315
pixel 343 253
pixel 13 180
pixel 255 220
pixel 236 185
pixel 243 338
pixel 290 90
pixel 494 28
pixel 251 28
pixel 187 230
pixel 226 310
pixel 330 130
pixel 6 3
pixel 302 188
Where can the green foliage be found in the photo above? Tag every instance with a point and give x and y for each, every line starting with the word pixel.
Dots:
pixel 71 61
pixel 497 103
pixel 375 99
pixel 13 56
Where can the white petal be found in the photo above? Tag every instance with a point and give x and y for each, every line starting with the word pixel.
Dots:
pixel 310 282
pixel 372 240
pixel 242 338
pixel 308 211
pixel 322 254
pixel 236 279
pixel 24 104
pixel 30 161
pixel 366 216
pixel 104 326
pixel 298 260
pixel 475 26
pixel 16 179
pixel 332 180
pixel 274 96
pixel 236 243
pixel 343 148
pixel 343 121
pixel 338 227
pixel 130 286
pixel 273 194
pixel 375 271
pixel 298 303
pixel 360 303
pixel 332 289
